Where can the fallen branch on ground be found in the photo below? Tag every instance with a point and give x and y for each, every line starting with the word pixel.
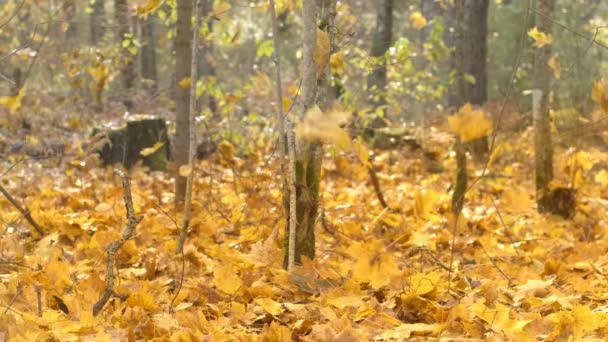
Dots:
pixel 132 221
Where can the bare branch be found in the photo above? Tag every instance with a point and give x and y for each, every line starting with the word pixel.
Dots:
pixel 115 246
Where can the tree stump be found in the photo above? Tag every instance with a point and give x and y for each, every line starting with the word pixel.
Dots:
pixel 141 138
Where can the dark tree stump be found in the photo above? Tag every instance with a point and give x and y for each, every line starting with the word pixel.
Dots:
pixel 126 143
pixel 559 201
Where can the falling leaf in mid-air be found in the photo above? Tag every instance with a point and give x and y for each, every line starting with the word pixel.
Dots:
pixel 417 20
pixel 325 127
pixel 540 38
pixel 554 65
pixel 146 7
pixel 470 124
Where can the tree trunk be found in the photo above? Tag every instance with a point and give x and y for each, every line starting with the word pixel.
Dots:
pixel 148 53
pixel 183 60
pixel 543 156
pixel 475 51
pixel 121 14
pixel 205 65
pixel 97 23
pixel 376 81
pixel 458 99
pixel 307 154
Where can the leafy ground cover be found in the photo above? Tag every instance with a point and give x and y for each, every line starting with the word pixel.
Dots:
pixel 380 274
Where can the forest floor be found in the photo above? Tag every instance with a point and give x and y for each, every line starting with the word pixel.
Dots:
pixel 379 274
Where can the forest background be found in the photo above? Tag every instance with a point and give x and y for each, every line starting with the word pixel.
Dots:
pixel 313 170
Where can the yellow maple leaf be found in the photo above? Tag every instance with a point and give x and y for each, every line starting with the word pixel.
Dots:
pixel 148 6
pixel 372 264
pixel 185 82
pixel 417 20
pixel 13 103
pixel 99 73
pixel 152 149
pixel 599 94
pixel 226 279
pixel 423 284
pixel 516 200
pixel 470 124
pixel 322 51
pixel 540 38
pixel 271 306
pixel 601 178
pixel 317 126
pixel 499 321
pixel 553 63
pixel 336 61
pixel 142 299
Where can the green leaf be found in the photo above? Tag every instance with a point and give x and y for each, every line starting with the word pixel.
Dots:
pixel 266 48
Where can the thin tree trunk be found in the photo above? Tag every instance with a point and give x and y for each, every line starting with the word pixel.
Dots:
pixel 287 164
pixel 183 60
pixel 148 53
pixel 307 154
pixel 376 81
pixel 205 65
pixel 474 59
pixel 191 132
pixel 543 155
pixel 121 14
pixel 460 186
pixel 97 22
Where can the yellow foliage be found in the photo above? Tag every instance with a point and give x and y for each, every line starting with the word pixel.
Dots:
pixel 321 52
pixel 541 39
pixel 185 83
pixel 470 124
pixel 336 61
pixel 148 6
pixel 152 149
pixel 554 65
pixel 13 103
pixel 326 128
pixel 599 94
pixel 417 20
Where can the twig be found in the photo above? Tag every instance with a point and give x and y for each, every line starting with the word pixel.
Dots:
pixel 38 290
pixel 8 307
pixel 376 183
pixel 127 234
pixel 435 259
pixel 496 265
pixel 12 15
pixel 24 211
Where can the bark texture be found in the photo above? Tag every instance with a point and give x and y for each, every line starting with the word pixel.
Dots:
pixel 183 60
pixel 459 99
pixel 148 52
pixel 121 15
pixel 543 156
pixel 383 35
pixel 307 156
pixel 97 29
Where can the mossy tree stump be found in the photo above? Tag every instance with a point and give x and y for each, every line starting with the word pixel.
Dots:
pixel 141 138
